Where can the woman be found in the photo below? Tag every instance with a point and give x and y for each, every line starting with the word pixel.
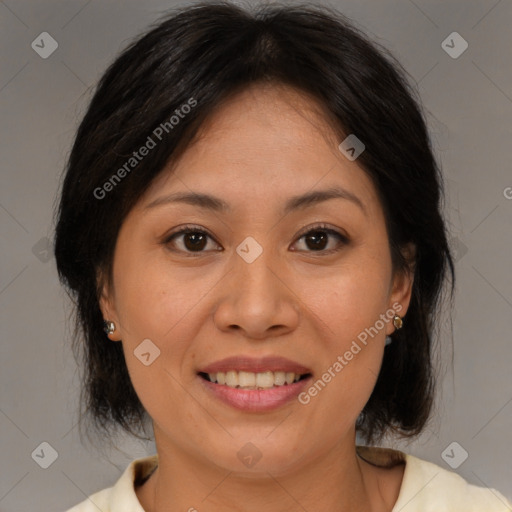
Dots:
pixel 250 225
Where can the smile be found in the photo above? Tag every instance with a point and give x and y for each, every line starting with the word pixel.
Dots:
pixel 254 392
pixel 253 381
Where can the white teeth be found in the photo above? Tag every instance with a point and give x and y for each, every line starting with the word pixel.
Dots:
pixel 232 379
pixel 279 378
pixel 250 380
pixel 246 379
pixel 265 380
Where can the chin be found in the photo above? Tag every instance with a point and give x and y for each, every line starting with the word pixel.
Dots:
pixel 256 457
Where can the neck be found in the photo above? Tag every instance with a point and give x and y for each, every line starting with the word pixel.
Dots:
pixel 337 481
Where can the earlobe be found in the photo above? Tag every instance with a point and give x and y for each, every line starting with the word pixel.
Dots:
pixel 106 308
pixel 403 281
pixel 103 294
pixel 110 320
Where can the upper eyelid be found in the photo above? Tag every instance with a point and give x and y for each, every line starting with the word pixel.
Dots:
pixel 322 226
pixel 304 231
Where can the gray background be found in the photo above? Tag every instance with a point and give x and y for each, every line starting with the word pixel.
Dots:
pixel 469 105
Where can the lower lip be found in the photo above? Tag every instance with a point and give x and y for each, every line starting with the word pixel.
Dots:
pixel 256 400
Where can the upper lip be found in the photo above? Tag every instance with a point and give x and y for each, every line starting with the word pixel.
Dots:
pixel 255 365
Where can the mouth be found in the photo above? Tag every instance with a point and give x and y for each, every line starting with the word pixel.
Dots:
pixel 254 384
pixel 252 380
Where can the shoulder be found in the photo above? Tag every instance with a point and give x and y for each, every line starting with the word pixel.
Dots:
pixel 121 496
pixel 429 487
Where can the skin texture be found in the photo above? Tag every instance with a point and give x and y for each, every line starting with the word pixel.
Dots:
pixel 261 147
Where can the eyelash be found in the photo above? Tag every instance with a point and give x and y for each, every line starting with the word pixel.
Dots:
pixel 343 240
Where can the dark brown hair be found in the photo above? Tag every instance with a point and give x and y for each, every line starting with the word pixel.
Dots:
pixel 208 52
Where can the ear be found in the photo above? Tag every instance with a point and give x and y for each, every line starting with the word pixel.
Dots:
pixel 107 304
pixel 401 288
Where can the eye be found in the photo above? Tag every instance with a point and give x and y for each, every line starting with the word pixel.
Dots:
pixel 317 238
pixel 192 239
pixel 189 239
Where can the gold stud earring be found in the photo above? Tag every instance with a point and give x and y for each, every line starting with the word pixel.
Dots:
pixel 397 322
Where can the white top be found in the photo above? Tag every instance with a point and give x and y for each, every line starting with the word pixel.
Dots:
pixel 425 487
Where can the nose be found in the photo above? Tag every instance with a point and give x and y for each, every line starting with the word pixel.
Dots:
pixel 258 299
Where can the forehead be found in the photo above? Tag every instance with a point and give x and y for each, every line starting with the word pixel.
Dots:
pixel 265 142
pixel 280 115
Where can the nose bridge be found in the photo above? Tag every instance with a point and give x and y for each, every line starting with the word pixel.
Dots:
pixel 252 266
pixel 255 300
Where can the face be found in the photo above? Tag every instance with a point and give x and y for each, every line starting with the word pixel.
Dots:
pixel 278 285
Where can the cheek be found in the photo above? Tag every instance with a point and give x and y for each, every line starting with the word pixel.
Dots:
pixel 346 306
pixel 156 302
pixel 153 298
pixel 348 301
pixel 153 305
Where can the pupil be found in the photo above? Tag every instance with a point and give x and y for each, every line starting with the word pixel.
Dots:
pixel 197 239
pixel 318 236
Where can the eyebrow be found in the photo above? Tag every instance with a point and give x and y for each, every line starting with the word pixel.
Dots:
pixel 213 203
